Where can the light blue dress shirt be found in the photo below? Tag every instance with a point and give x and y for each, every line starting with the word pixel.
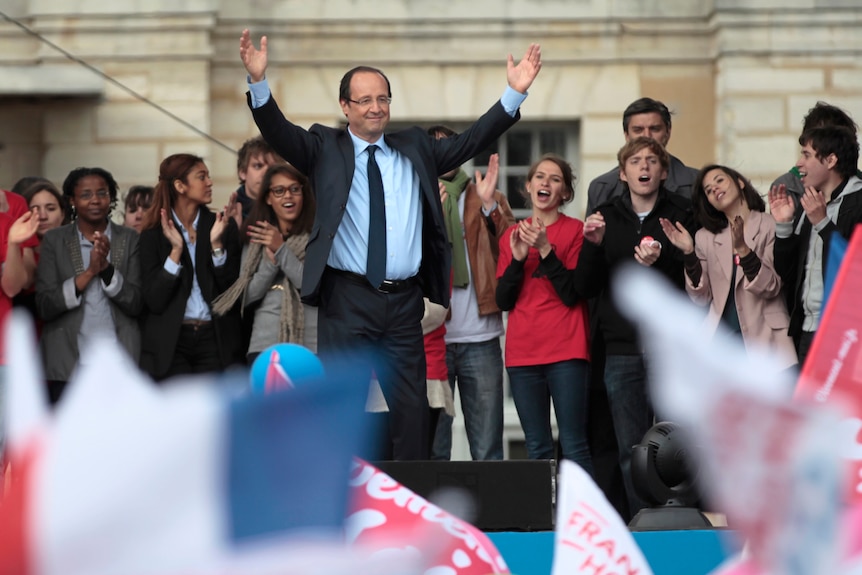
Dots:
pixel 196 306
pixel 402 196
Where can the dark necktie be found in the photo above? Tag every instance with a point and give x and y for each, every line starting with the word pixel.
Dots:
pixel 375 269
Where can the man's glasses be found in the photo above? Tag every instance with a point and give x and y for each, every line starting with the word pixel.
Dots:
pixel 382 101
pixel 278 191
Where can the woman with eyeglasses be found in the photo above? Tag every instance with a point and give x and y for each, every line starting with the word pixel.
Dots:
pixel 275 235
pixel 189 256
pixel 88 278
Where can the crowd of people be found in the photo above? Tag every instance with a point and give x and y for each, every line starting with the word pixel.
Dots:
pixel 358 239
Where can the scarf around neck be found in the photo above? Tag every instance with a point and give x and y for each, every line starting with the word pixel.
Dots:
pixel 454 188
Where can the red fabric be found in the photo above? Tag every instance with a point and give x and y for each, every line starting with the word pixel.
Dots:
pixel 389 518
pixel 17 208
pixel 14 512
pixel 541 329
pixel 435 354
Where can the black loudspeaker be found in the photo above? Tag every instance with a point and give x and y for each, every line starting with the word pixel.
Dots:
pixel 515 495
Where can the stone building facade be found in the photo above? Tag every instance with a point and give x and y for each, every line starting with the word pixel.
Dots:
pixel 739 75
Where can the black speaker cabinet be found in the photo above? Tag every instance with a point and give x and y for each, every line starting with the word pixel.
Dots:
pixel 515 495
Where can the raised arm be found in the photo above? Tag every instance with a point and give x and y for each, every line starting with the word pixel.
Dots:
pixel 254 60
pixel 521 76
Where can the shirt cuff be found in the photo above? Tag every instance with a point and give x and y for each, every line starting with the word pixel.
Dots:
pixel 511 100
pixel 783 230
pixel 71 298
pixel 172 267
pixel 116 285
pixel 260 92
pixel 219 261
pixel 821 225
pixel 487 213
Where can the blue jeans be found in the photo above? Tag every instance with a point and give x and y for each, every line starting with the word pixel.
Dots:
pixel 631 411
pixel 478 369
pixel 567 384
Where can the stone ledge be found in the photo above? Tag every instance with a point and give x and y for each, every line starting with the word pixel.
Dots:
pixel 50 80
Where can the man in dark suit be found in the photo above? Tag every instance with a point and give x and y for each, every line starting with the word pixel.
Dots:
pixel 361 305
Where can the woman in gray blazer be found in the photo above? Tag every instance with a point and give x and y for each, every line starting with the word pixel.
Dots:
pixel 274 236
pixel 88 278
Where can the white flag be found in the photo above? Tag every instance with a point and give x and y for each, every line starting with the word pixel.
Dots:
pixel 591 537
pixel 771 465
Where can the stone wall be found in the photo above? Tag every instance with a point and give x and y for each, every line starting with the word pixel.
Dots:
pixel 738 75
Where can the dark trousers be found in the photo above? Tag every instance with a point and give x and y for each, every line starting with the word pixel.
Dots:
pixel 197 351
pixel 382 333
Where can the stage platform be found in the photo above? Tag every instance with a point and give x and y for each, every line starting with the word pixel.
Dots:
pixel 693 552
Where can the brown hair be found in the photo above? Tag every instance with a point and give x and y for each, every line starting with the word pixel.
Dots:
pixel 252 147
pixel 635 145
pixel 261 211
pixel 569 177
pixel 704 212
pixel 46 186
pixel 175 167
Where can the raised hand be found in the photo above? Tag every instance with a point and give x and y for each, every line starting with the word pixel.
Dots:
pixel 265 234
pixel 781 204
pixel 233 209
pixel 737 234
pixel 254 60
pixel 23 228
pixel 173 235
pixel 521 77
pixel 219 226
pixel 594 228
pixel 519 248
pixel 486 186
pixel 678 235
pixel 814 204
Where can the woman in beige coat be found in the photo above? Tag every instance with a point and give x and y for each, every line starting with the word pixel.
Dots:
pixel 729 263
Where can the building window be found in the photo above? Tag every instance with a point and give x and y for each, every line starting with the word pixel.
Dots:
pixel 519 147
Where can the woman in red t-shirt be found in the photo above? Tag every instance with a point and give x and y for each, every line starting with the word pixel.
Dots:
pixel 547 351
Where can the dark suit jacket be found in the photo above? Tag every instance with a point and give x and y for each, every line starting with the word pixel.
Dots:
pixel 60 259
pixel 165 295
pixel 326 156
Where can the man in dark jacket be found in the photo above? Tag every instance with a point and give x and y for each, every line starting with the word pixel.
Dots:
pixel 623 230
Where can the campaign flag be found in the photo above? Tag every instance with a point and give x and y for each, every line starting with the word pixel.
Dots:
pixel 850 533
pixel 590 536
pixel 388 518
pixel 772 465
pixel 832 374
pixel 134 479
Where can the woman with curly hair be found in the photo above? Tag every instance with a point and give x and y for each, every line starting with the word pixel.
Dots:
pixel 275 235
pixel 88 279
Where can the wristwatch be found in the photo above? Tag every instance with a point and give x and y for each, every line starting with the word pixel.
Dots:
pixel 218 252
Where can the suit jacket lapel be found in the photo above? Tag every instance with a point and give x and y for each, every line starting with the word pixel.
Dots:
pixel 118 244
pixel 724 251
pixel 73 248
pixel 345 145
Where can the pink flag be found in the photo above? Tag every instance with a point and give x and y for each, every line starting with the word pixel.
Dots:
pixel 387 517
